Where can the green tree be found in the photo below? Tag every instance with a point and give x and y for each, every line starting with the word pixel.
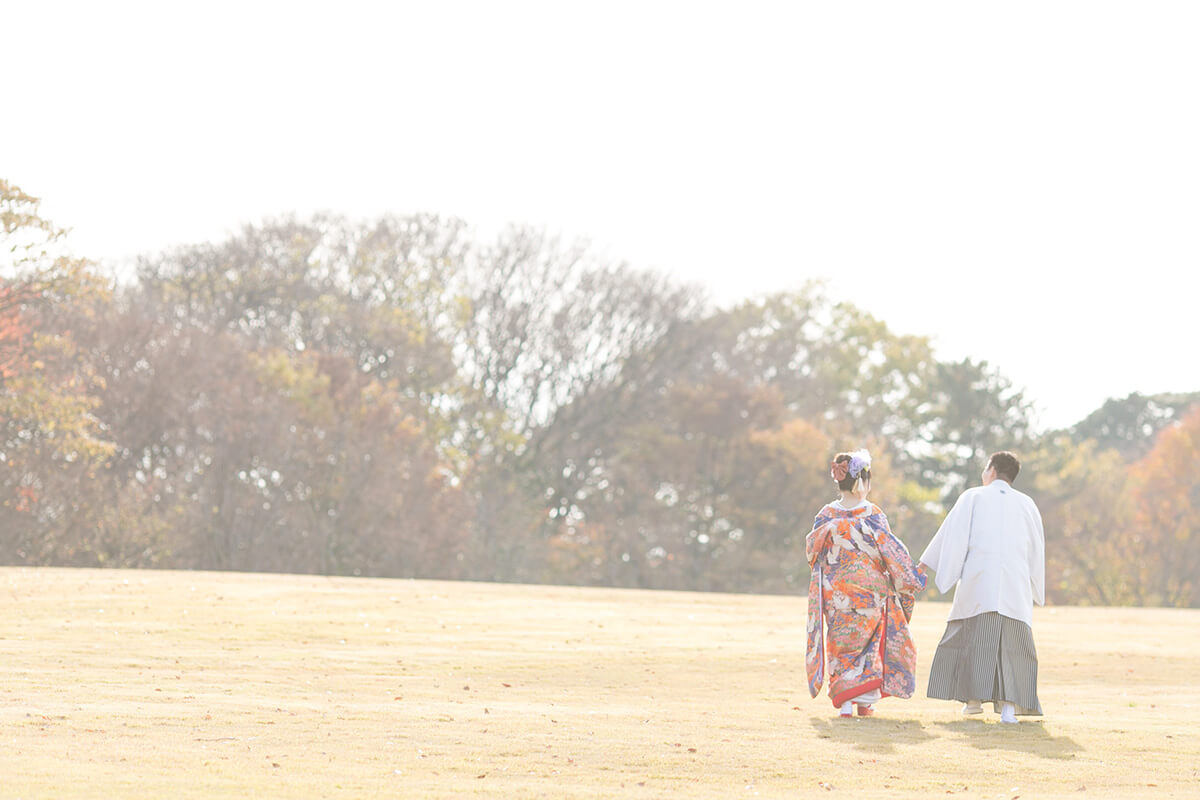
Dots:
pixel 1130 425
pixel 970 410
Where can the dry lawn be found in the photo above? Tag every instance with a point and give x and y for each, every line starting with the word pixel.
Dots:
pixel 195 685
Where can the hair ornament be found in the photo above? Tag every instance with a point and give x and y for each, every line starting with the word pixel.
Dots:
pixel 838 470
pixel 859 460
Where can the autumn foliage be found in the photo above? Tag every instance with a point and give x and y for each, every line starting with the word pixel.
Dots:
pixel 1165 499
pixel 396 398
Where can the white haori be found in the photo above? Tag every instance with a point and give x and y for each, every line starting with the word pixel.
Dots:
pixel 992 545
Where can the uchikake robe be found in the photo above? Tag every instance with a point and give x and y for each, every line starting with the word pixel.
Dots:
pixel 860 599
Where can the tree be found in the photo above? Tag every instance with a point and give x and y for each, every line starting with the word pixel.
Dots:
pixel 1164 542
pixel 394 397
pixel 1081 490
pixel 558 354
pixel 691 496
pixel 49 437
pixel 35 272
pixel 1131 424
pixel 971 410
pixel 715 478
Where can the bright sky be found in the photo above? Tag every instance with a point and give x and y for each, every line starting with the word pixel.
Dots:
pixel 1019 180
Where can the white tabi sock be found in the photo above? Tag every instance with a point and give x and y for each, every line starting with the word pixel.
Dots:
pixel 1008 713
pixel 847 709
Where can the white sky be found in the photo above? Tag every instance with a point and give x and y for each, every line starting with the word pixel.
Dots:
pixel 1018 180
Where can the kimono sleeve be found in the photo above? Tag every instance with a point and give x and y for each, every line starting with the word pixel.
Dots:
pixel 907 576
pixel 816 541
pixel 948 550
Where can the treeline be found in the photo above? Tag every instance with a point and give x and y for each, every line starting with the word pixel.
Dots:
pixel 397 398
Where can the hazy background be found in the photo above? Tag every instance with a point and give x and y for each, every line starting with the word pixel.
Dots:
pixel 1017 181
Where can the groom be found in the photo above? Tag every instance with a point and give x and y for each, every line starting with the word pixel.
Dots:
pixel 992 545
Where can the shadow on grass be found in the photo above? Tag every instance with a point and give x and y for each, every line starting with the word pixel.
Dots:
pixel 1028 737
pixel 876 734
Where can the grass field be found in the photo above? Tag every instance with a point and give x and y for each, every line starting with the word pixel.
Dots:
pixel 120 684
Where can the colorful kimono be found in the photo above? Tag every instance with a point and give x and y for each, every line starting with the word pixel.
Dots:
pixel 862 588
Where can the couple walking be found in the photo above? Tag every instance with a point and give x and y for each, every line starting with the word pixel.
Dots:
pixel 863 588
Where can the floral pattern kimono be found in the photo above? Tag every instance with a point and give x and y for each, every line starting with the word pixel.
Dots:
pixel 860 600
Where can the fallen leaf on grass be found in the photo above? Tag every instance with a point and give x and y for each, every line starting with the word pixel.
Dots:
pixel 506 685
pixel 484 775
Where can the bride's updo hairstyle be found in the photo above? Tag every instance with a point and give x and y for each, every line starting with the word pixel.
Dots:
pixel 848 469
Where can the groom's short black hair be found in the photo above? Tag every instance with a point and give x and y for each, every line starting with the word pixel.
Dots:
pixel 1007 465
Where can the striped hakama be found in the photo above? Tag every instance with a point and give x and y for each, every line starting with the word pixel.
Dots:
pixel 988 657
